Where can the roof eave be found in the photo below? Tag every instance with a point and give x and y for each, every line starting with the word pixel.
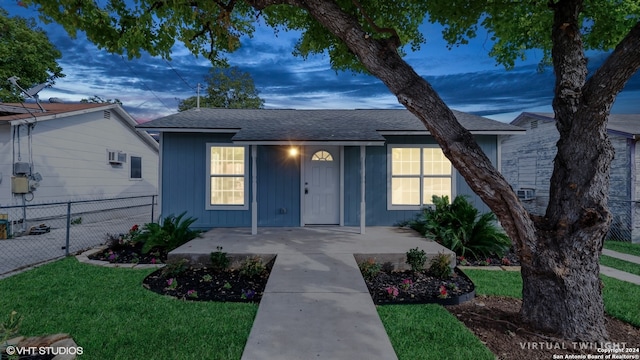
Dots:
pixel 311 142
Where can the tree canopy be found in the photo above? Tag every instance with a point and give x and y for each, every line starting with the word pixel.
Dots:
pixel 228 88
pixel 559 252
pixel 25 52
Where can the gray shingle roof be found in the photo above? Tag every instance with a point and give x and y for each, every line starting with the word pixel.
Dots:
pixel 312 125
pixel 622 123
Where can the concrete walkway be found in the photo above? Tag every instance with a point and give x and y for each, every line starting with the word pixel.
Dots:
pixel 617 274
pixel 316 304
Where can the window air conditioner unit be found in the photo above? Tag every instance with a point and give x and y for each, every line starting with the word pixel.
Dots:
pixel 116 157
pixel 526 194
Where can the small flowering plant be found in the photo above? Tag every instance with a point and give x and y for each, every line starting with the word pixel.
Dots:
pixel 248 294
pixel 172 283
pixel 453 287
pixel 505 261
pixel 462 261
pixel 192 294
pixel 393 292
pixel 442 292
pixel 406 284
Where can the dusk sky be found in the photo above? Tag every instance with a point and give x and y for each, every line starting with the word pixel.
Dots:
pixel 465 77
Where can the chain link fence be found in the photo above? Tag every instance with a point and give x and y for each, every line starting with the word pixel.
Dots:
pixel 625 216
pixel 33 234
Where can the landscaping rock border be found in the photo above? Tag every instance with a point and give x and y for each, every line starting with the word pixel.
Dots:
pixel 84 258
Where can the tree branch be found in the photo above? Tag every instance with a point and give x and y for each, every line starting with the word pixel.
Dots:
pixel 394 40
pixel 605 84
pixel 417 95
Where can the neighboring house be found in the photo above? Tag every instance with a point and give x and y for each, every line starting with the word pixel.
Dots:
pixel 527 163
pixel 73 152
pixel 265 168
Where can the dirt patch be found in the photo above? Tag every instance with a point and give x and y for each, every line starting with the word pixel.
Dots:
pixel 496 322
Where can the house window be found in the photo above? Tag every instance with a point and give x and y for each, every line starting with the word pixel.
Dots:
pixel 136 167
pixel 321 155
pixel 416 173
pixel 227 177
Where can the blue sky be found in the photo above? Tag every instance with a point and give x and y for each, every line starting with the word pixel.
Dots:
pixel 465 77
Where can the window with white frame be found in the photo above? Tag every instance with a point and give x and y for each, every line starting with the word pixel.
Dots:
pixel 227 169
pixel 135 170
pixel 416 173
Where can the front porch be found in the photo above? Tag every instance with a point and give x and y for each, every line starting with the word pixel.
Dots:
pixel 384 244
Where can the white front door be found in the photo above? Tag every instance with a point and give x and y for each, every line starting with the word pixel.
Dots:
pixel 321 185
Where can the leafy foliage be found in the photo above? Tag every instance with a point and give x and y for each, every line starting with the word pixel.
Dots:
pixel 95 99
pixel 441 266
pixel 25 52
pixel 369 268
pixel 227 88
pixel 173 232
pixel 175 268
pixel 461 228
pixel 10 327
pixel 252 266
pixel 219 259
pixel 416 259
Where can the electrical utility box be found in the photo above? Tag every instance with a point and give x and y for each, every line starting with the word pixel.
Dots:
pixel 19 185
pixel 22 168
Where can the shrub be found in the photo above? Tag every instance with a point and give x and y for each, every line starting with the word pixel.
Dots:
pixel 10 327
pixel 173 233
pixel 175 268
pixel 252 266
pixel 441 266
pixel 460 227
pixel 219 259
pixel 416 259
pixel 369 268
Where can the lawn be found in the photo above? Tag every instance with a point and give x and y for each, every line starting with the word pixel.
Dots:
pixel 110 314
pixel 430 332
pixel 623 247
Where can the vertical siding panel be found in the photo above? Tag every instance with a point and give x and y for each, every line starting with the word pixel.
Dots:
pixel 352 185
pixel 278 187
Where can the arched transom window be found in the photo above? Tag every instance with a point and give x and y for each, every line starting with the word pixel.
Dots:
pixel 321 155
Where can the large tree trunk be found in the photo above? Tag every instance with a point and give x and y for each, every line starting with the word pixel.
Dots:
pixel 559 253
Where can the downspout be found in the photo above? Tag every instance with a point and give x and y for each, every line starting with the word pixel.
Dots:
pixel 633 188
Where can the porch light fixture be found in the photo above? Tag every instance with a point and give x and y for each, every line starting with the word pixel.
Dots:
pixel 293 151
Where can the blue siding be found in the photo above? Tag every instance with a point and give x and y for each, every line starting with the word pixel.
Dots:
pixel 278 187
pixel 184 183
pixel 184 180
pixel 376 180
pixel 352 185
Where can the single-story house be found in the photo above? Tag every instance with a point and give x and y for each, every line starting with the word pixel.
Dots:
pixel 289 168
pixel 527 163
pixel 59 152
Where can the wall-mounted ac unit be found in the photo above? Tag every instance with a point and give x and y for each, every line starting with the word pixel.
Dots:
pixel 116 157
pixel 527 194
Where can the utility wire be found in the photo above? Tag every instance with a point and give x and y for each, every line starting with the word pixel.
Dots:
pixel 180 76
pixel 145 85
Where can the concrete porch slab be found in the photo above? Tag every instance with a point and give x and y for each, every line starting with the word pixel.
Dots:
pixel 384 244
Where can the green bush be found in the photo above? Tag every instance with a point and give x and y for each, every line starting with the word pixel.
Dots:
pixel 219 259
pixel 252 266
pixel 369 269
pixel 416 259
pixel 460 227
pixel 173 233
pixel 441 266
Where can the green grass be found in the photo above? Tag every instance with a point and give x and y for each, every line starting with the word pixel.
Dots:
pixel 110 314
pixel 621 300
pixel 430 332
pixel 623 247
pixel 620 264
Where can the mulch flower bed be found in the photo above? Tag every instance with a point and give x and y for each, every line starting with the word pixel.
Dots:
pixel 129 253
pixel 207 284
pixel 509 259
pixel 409 287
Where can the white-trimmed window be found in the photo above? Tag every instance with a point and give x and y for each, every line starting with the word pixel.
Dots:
pixel 228 170
pixel 415 174
pixel 135 167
